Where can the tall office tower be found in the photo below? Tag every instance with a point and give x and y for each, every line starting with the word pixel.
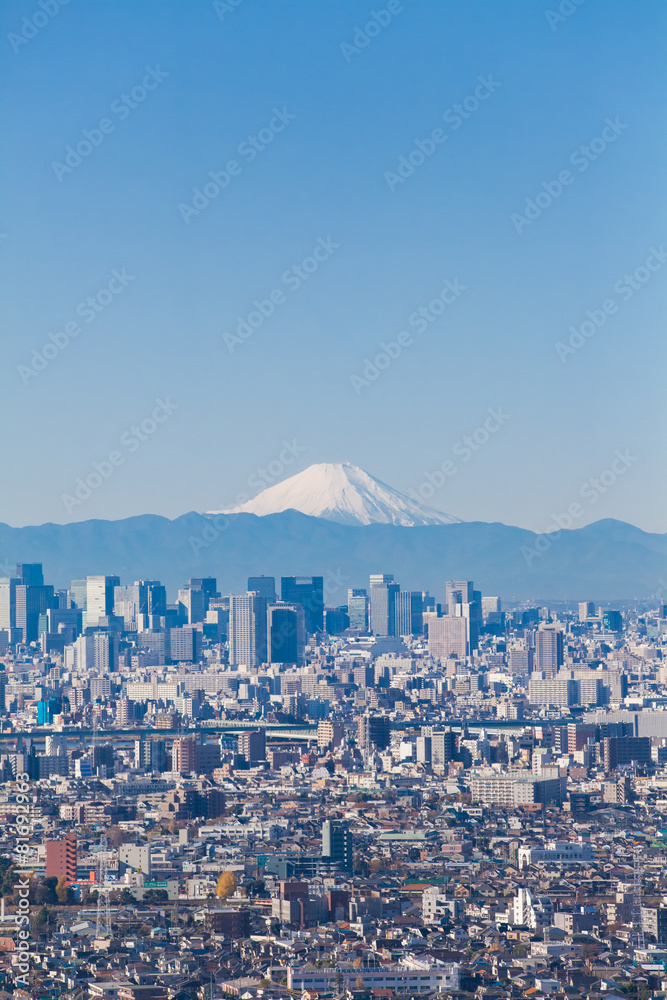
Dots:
pixel 491 605
pixel 8 585
pixel 264 585
pixel 336 620
pixel 473 612
pixel 448 636
pixel 156 595
pixel 586 610
pixel 247 629
pixel 612 621
pixel 337 843
pixel 286 633
pixel 183 756
pixel 465 602
pixel 374 730
pixel 185 644
pixel 142 598
pixel 207 584
pixel 32 600
pixel 458 592
pixel 79 593
pixel 193 605
pixel 357 609
pixel 548 651
pixel 129 602
pixel 30 574
pixel 99 597
pixel 382 604
pixel 408 613
pixel 308 591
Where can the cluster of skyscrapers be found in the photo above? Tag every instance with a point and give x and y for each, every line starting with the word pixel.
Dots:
pixel 91 621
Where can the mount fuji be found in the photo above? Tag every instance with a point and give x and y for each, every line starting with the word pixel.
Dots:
pixel 344 494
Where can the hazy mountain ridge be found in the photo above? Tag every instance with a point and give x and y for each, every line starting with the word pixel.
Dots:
pixel 604 561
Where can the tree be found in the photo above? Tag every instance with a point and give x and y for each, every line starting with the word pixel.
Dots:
pixel 116 836
pixel 61 890
pixel 359 983
pixel 226 886
pixel 156 896
pixel 46 892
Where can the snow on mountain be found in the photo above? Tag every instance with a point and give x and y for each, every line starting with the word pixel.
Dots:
pixel 343 493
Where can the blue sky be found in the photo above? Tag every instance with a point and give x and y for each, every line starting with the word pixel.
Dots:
pixel 335 112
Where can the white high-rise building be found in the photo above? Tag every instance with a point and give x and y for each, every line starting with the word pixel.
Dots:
pixel 247 629
pixel 8 587
pixel 100 597
pixel 448 636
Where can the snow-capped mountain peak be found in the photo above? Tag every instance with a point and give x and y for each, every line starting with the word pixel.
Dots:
pixel 343 493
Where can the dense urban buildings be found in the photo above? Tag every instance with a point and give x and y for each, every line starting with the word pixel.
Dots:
pixel 251 795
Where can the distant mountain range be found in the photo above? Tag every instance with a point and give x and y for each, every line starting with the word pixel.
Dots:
pixel 605 561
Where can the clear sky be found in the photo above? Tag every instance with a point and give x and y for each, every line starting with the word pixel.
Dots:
pixel 335 97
